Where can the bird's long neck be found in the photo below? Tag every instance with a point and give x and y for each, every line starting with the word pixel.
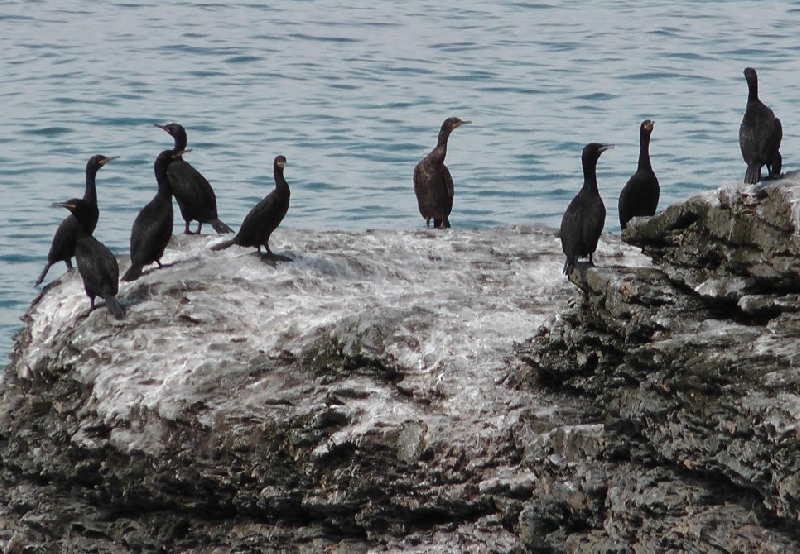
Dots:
pixel 91 189
pixel 752 94
pixel 590 175
pixel 180 141
pixel 440 151
pixel 444 136
pixel 644 151
pixel 92 212
pixel 162 180
pixel 280 180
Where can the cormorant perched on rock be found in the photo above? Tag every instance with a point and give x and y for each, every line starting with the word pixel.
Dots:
pixel 96 264
pixel 264 218
pixel 152 228
pixel 433 183
pixel 66 237
pixel 640 194
pixel 583 220
pixel 760 134
pixel 196 198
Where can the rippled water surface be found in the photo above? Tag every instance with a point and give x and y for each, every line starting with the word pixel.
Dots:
pixel 354 97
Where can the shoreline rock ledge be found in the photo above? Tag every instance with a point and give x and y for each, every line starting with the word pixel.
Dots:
pixel 689 372
pixel 423 392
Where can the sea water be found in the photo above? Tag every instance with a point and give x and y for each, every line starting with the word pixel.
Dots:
pixel 353 94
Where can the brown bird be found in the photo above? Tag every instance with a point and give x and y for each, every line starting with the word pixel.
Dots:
pixel 433 183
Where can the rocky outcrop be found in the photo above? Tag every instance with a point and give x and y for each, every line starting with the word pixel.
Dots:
pixel 423 391
pixel 689 372
pixel 352 397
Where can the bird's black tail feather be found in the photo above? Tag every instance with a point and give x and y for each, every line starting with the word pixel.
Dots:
pixel 133 273
pixel 774 165
pixel 220 227
pixel 42 275
pixel 753 174
pixel 113 306
pixel 569 264
pixel 224 245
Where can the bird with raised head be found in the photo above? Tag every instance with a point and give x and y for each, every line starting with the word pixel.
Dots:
pixel 194 194
pixel 264 218
pixel 760 134
pixel 152 227
pixel 433 184
pixel 583 220
pixel 97 265
pixel 640 194
pixel 65 239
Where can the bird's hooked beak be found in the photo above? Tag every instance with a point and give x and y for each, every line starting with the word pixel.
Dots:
pixel 649 125
pixel 281 164
pixel 180 153
pixel 163 128
pixel 68 205
pixel 605 147
pixel 467 122
pixel 107 159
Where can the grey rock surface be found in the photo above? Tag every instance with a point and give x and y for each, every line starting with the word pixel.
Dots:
pixel 353 399
pixel 689 372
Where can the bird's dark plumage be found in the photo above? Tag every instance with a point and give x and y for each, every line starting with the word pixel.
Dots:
pixel 265 217
pixel 640 194
pixel 433 183
pixel 195 197
pixel 152 228
pixel 760 134
pixel 66 237
pixel 582 223
pixel 96 264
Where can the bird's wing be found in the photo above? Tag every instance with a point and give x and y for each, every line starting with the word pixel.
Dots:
pixel 98 267
pixel 190 188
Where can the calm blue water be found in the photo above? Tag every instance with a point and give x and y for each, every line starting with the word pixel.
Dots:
pixel 354 97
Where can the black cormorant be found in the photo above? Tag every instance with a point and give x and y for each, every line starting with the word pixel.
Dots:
pixel 152 228
pixel 264 218
pixel 433 183
pixel 96 264
pixel 583 220
pixel 66 237
pixel 640 194
pixel 760 134
pixel 195 197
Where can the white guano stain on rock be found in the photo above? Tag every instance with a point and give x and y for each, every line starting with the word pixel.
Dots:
pixel 442 309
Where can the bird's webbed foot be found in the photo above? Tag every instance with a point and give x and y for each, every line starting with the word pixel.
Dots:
pixel 271 257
